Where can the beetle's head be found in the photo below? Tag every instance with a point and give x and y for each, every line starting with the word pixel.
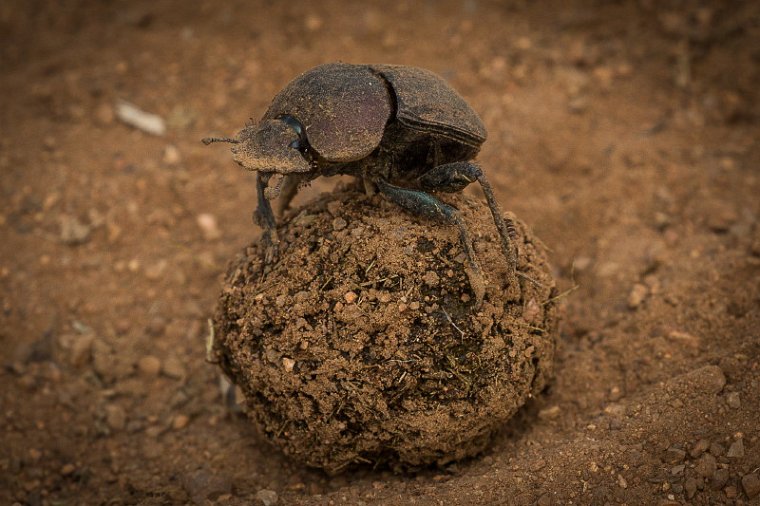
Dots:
pixel 273 148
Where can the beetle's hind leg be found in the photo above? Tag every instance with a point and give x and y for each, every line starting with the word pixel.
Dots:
pixel 454 177
pixel 423 204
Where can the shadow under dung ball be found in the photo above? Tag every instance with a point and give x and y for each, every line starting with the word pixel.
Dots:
pixel 362 342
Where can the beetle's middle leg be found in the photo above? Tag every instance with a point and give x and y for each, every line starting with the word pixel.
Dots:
pixel 423 204
pixel 454 177
pixel 290 186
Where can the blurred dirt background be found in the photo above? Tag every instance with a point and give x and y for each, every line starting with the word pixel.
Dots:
pixel 625 133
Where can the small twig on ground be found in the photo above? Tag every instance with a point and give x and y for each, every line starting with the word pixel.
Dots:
pixel 210 358
pixel 452 322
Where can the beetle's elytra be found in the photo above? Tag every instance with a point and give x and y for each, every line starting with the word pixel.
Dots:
pixel 403 130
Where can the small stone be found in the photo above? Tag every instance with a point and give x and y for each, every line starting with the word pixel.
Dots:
pixel 674 455
pixel 179 422
pixel 717 449
pixel 637 295
pixel 710 378
pixel 706 466
pixel 137 118
pixel 578 104
pixel 721 220
pixel 615 411
pixel 116 417
pixel 174 368
pixel 333 207
pixel 719 480
pixel 622 481
pixel 733 400
pixel 690 487
pixel 267 497
pixel 537 464
pixel 616 394
pixel 209 227
pixel 730 492
pixel 684 339
pixel 532 312
pixel 73 231
pixel 751 485
pixel 662 220
pixel 736 450
pixel 431 279
pixel 339 223
pixel 581 263
pixel 67 469
pixel 677 470
pixel 104 362
pixel 288 364
pixel 551 413
pixel 350 297
pixel 414 306
pixel 699 448
pixel 171 155
pixel 604 76
pixel 149 365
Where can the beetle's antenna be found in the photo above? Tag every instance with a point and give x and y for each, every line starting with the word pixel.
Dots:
pixel 209 140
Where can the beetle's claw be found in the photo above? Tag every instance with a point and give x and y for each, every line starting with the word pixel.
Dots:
pixel 477 283
pixel 271 246
pixel 274 185
pixel 271 254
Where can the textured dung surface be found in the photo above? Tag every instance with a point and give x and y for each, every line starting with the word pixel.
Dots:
pixel 362 345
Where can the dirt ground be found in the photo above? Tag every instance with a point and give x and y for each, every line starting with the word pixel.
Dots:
pixel 625 133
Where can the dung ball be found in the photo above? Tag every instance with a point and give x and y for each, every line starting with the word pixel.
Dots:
pixel 362 343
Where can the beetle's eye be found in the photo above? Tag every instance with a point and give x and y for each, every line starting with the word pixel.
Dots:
pixel 292 123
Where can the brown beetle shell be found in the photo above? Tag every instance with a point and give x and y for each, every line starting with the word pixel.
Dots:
pixel 426 102
pixel 344 109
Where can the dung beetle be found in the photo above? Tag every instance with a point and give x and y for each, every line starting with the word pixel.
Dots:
pixel 403 130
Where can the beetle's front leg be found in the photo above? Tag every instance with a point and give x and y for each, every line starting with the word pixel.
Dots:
pixel 263 216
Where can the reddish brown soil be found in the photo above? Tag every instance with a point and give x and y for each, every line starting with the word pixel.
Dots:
pixel 626 135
